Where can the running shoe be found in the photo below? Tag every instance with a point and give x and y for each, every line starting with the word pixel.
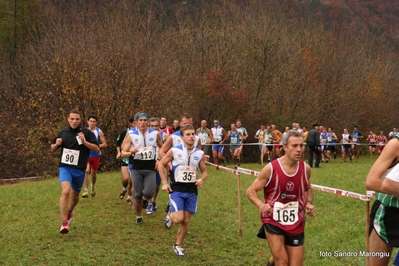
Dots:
pixel 168 221
pixel 178 250
pixel 93 192
pixel 149 208
pixel 129 200
pixel 64 228
pixel 154 206
pixel 122 194
pixel 85 194
pixel 70 218
pixel 139 220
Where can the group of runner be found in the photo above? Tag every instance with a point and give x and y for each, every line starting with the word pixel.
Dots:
pixel 150 156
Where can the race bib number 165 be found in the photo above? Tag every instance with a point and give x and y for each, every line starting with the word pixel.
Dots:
pixel 286 214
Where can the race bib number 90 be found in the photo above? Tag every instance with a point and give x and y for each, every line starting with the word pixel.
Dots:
pixel 145 154
pixel 186 174
pixel 286 214
pixel 70 157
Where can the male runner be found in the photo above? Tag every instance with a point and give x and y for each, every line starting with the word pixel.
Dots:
pixel 288 197
pixel 383 178
pixel 206 137
pixel 94 157
pixel 234 136
pixel 182 189
pixel 127 185
pixel 219 135
pixel 75 143
pixel 141 143
pixel 244 132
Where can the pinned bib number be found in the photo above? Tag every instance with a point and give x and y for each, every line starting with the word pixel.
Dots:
pixel 204 140
pixel 145 153
pixel 70 157
pixel 186 174
pixel 286 214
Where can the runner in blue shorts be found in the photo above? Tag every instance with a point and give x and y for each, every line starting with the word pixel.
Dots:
pixel 75 143
pixel 186 159
pixel 219 136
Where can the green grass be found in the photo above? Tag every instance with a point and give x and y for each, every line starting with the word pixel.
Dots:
pixel 104 230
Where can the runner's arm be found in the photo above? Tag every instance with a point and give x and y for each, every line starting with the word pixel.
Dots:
pixel 103 141
pixel 388 156
pixel 257 185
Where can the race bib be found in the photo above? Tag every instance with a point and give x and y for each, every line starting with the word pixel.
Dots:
pixel 186 174
pixel 286 214
pixel 145 154
pixel 217 139
pixel 233 140
pixel 354 139
pixel 204 140
pixel 329 139
pixel 381 143
pixel 70 157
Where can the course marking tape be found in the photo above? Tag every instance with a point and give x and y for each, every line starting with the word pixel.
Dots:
pixel 370 193
pixel 224 168
pixel 335 191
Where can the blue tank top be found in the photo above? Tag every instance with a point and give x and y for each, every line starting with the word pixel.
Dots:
pixel 234 138
pixel 97 134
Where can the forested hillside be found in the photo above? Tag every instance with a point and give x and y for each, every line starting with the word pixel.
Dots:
pixel 332 62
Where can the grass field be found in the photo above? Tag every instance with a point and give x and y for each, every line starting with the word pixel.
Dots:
pixel 104 230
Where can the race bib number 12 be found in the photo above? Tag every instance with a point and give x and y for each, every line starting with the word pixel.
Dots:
pixel 286 214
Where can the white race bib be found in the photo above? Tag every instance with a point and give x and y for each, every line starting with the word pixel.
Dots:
pixel 70 157
pixel 233 140
pixel 354 139
pixel 286 214
pixel 381 143
pixel 217 139
pixel 204 140
pixel 145 154
pixel 186 174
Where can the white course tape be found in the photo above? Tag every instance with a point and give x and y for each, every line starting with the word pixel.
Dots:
pixel 335 191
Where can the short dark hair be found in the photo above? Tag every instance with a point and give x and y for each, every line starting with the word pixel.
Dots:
pixel 185 115
pixel 92 116
pixel 74 111
pixel 184 128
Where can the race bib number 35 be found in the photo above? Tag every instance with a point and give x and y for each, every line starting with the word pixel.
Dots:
pixel 70 157
pixel 286 214
pixel 186 174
